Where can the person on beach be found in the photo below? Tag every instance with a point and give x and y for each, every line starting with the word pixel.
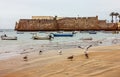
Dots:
pixel 85 50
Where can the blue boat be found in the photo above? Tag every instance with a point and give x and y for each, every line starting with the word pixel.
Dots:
pixel 62 34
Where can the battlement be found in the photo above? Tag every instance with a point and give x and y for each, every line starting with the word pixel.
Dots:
pixel 51 23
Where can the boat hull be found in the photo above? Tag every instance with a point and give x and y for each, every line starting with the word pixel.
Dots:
pixel 41 38
pixel 62 35
pixel 8 38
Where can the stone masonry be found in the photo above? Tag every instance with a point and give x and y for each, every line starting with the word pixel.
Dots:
pixel 64 24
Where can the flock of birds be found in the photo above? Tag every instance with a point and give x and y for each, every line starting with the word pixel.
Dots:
pixel 25 58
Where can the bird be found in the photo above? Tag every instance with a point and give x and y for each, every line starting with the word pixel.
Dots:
pixel 25 58
pixel 86 48
pixel 60 52
pixel 85 51
pixel 80 47
pixel 70 57
pixel 40 52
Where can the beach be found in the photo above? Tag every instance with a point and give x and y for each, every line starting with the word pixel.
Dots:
pixel 58 38
pixel 103 56
pixel 103 62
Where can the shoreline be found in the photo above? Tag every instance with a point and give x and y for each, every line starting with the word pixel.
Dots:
pixel 15 50
pixel 18 49
pixel 50 60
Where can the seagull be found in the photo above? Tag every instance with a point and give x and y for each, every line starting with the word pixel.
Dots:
pixel 86 48
pixel 85 51
pixel 70 57
pixel 60 52
pixel 40 52
pixel 25 58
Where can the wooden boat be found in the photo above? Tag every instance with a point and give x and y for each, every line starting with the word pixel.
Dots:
pixel 3 37
pixel 62 34
pixel 87 38
pixel 42 37
pixel 115 32
pixel 92 32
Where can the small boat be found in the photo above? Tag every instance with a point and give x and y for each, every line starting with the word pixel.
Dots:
pixel 20 32
pixel 33 33
pixel 62 34
pixel 87 38
pixel 49 37
pixel 92 32
pixel 60 31
pixel 4 37
pixel 115 32
pixel 83 31
pixel 74 32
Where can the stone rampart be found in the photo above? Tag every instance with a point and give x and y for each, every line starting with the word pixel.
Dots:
pixel 66 24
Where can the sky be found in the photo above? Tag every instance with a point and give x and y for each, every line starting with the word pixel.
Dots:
pixel 13 10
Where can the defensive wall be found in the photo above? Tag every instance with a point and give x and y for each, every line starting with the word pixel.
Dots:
pixel 49 23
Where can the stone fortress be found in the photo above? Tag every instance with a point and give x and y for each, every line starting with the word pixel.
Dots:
pixel 50 23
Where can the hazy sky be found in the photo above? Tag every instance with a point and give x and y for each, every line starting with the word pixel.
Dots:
pixel 13 10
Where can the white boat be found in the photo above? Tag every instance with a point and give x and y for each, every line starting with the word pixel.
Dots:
pixel 42 37
pixel 4 37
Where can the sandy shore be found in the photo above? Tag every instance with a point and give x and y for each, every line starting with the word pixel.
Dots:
pixel 104 61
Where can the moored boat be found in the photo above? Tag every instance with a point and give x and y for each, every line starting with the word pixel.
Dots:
pixel 36 37
pixel 87 38
pixel 62 34
pixel 115 32
pixel 20 32
pixel 4 37
pixel 41 38
pixel 92 32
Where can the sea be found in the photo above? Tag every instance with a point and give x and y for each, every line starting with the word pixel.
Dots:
pixel 25 43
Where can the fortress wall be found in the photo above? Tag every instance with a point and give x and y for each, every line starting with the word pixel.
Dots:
pixel 107 26
pixel 78 23
pixel 67 24
pixel 81 23
pixel 102 24
pixel 92 23
pixel 112 26
pixel 33 24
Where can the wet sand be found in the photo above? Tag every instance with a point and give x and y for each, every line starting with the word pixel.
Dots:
pixel 104 61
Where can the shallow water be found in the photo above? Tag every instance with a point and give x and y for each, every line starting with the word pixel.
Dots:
pixel 25 43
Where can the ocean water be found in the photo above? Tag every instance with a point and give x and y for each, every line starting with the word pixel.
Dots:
pixel 25 43
pixel 26 37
